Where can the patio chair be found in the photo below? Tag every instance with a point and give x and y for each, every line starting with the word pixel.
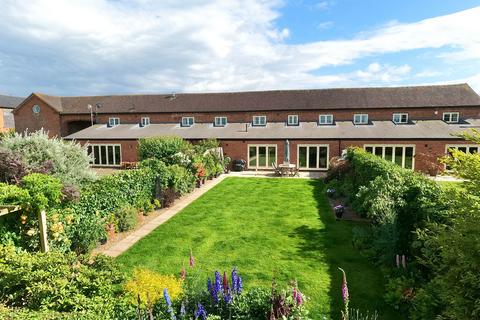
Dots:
pixel 295 172
pixel 277 170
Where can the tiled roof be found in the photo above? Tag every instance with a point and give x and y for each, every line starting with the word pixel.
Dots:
pixel 425 129
pixel 9 102
pixel 347 98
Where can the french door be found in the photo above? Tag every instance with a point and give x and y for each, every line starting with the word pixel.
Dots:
pixel 312 157
pixel 261 156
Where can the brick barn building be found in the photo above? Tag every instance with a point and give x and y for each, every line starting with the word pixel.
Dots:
pixel 407 125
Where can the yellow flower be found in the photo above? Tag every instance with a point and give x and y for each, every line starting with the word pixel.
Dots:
pixel 31 232
pixel 149 285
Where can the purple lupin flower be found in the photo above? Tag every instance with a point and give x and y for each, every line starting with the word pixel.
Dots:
pixel 209 285
pixel 239 285
pixel 183 312
pixel 200 312
pixel 234 280
pixel 212 290
pixel 227 295
pixel 218 282
pixel 168 301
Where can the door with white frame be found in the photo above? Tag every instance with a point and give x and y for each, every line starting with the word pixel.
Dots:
pixel 312 156
pixel 403 155
pixel 261 156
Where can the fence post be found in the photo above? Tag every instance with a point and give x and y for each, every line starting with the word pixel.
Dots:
pixel 42 221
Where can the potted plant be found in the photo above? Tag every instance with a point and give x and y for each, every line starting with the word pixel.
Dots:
pixel 339 211
pixel 200 173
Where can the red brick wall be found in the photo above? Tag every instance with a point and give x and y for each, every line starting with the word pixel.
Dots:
pixel 281 116
pixel 238 149
pixel 48 118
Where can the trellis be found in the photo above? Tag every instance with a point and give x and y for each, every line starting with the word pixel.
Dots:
pixel 42 221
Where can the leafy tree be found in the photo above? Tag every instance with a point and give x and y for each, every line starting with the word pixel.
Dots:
pixel 36 152
pixel 451 250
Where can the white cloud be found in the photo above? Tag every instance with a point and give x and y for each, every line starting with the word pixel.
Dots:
pixel 325 25
pixel 100 46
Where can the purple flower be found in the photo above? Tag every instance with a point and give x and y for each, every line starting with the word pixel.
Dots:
pixel 227 296
pixel 169 303
pixel 218 282
pixel 200 312
pixel 345 295
pixel 209 285
pixel 240 284
pixel 167 298
pixel 236 282
pixel 297 296
pixel 212 290
pixel 183 312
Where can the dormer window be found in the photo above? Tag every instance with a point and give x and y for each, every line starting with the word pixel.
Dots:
pixel 187 121
pixel 325 119
pixel 220 121
pixel 145 121
pixel 400 118
pixel 360 118
pixel 113 122
pixel 451 117
pixel 259 120
pixel 292 120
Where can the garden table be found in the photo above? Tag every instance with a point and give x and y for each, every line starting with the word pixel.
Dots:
pixel 286 169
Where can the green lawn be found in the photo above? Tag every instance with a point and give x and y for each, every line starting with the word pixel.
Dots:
pixel 267 227
pixel 451 184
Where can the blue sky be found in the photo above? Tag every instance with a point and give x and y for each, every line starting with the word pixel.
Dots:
pixel 88 47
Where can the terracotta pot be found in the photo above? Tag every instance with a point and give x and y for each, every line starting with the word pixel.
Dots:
pixel 110 230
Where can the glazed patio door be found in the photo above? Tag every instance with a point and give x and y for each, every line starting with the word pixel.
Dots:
pixel 262 156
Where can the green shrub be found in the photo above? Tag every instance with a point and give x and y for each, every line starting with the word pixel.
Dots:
pixel 397 200
pixel 102 198
pixel 46 191
pixel 181 180
pixel 68 161
pixel 126 218
pixel 60 282
pixel 168 149
pixel 13 195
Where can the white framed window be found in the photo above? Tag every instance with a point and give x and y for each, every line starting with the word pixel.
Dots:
pixel 465 148
pixel 360 118
pixel 259 120
pixel 187 121
pixel 312 156
pixel 292 120
pixel 107 155
pixel 261 156
pixel 113 122
pixel 451 117
pixel 145 121
pixel 220 121
pixel 325 119
pixel 401 154
pixel 400 118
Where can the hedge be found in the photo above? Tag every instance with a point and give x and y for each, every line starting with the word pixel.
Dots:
pixel 397 200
